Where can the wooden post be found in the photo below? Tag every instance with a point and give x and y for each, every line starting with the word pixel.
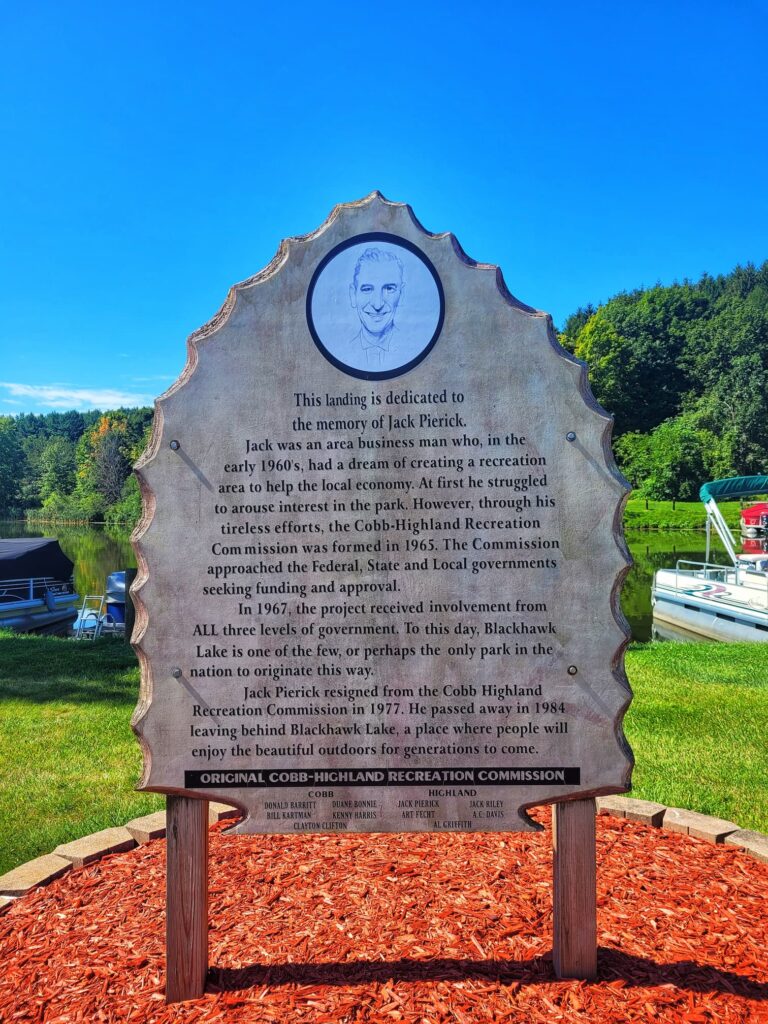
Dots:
pixel 186 924
pixel 575 889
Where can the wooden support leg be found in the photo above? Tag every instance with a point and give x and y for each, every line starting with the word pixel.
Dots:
pixel 186 928
pixel 575 889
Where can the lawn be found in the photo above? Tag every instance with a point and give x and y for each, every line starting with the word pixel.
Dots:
pixel 677 515
pixel 697 725
pixel 70 760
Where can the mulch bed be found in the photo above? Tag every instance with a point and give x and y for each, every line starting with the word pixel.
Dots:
pixel 399 928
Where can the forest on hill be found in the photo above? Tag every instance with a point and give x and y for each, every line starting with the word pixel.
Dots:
pixel 72 466
pixel 684 369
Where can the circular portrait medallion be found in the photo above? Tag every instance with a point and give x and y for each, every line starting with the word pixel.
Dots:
pixel 375 306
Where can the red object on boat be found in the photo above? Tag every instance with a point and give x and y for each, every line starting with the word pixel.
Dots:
pixel 754 545
pixel 755 517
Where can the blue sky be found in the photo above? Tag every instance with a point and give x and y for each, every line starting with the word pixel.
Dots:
pixel 153 155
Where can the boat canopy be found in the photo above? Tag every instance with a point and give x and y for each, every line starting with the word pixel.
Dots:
pixel 22 558
pixel 734 487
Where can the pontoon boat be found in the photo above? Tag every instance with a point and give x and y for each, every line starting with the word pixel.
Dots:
pixel 36 589
pixel 719 602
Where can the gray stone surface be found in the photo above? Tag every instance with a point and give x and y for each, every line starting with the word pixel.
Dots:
pixel 613 805
pixel 149 826
pixel 753 842
pixel 645 811
pixel 217 812
pixel 97 845
pixel 397 590
pixel 35 872
pixel 700 826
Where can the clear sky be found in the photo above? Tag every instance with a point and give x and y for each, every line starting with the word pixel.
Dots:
pixel 154 154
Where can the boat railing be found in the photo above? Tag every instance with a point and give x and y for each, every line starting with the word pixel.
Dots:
pixel 29 588
pixel 738 575
pixel 703 570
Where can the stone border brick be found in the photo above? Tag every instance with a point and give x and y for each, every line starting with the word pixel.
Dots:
pixel 39 871
pixel 752 842
pixel 97 845
pixel 217 812
pixel 6 902
pixel 613 805
pixel 148 826
pixel 152 826
pixel 645 811
pixel 700 826
pixel 690 823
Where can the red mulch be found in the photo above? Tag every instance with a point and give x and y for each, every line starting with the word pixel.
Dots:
pixel 399 928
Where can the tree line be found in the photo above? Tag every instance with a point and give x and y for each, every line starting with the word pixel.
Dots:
pixel 72 466
pixel 684 370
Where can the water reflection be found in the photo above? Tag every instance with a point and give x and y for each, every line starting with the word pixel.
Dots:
pixel 97 553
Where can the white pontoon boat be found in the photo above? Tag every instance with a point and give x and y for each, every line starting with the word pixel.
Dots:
pixel 719 602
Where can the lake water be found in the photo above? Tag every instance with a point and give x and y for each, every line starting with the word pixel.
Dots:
pixel 97 553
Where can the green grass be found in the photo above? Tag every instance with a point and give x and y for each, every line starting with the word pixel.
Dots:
pixel 686 515
pixel 698 726
pixel 70 761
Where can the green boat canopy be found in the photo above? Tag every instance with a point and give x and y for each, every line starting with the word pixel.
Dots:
pixel 735 487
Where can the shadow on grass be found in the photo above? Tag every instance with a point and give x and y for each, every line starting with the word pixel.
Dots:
pixel 44 668
pixel 613 966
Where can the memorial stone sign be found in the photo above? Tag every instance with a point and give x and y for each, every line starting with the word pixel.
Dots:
pixel 381 551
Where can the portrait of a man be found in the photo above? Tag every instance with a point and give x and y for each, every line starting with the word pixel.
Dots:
pixel 375 306
pixel 375 293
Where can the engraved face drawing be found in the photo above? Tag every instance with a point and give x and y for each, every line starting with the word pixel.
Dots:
pixel 375 306
pixel 376 291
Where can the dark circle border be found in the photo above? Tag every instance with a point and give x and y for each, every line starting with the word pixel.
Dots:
pixel 375 236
